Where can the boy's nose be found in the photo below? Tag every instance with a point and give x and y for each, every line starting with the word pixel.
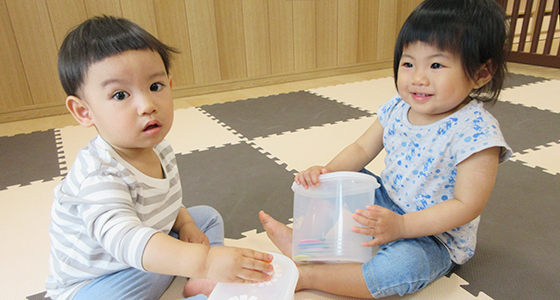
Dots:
pixel 146 105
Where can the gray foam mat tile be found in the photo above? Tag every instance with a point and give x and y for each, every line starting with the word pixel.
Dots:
pixel 259 117
pixel 238 181
pixel 526 127
pixel 28 157
pixel 514 80
pixel 518 237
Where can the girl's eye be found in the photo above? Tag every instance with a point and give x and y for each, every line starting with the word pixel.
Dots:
pixel 156 87
pixel 407 65
pixel 437 66
pixel 121 95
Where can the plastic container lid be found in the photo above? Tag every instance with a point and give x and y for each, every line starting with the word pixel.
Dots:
pixel 281 287
pixel 360 183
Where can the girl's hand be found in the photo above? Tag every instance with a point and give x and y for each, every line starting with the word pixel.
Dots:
pixel 381 223
pixel 310 177
pixel 191 234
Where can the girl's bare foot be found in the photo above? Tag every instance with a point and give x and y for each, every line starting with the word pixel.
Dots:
pixel 197 286
pixel 280 234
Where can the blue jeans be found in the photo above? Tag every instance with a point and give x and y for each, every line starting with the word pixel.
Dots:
pixel 407 265
pixel 132 283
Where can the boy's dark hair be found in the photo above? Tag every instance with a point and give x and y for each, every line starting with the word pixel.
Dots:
pixel 98 38
pixel 476 30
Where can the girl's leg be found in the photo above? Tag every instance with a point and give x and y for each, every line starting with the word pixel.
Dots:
pixel 406 266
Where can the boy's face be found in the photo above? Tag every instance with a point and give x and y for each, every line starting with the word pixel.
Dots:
pixel 127 97
pixel 434 83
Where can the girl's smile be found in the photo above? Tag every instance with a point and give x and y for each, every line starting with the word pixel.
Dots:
pixel 433 82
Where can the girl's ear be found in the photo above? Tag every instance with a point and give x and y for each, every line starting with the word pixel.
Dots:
pixel 483 76
pixel 79 110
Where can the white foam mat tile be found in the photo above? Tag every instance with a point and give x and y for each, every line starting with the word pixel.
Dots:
pixel 25 215
pixel 546 157
pixel 317 145
pixel 527 95
pixel 72 139
pixel 194 130
pixel 442 289
pixel 367 95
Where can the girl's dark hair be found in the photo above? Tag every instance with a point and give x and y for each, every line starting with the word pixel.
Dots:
pixel 476 30
pixel 98 38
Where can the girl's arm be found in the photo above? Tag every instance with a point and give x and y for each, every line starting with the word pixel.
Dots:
pixel 475 179
pixel 353 158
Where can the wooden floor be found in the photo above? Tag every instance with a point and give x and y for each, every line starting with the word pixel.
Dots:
pixel 27 126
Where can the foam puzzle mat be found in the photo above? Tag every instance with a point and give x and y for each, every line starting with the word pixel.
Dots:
pixel 241 156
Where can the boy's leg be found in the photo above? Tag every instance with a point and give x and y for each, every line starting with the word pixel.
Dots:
pixel 126 284
pixel 209 221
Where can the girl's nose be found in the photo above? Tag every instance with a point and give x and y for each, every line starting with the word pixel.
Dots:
pixel 419 78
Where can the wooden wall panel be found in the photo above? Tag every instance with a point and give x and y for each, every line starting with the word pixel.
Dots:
pixel 141 12
pixel 103 7
pixel 223 44
pixel 368 22
pixel 231 40
pixel 257 37
pixel 348 21
pixel 305 38
pixel 387 30
pixel 171 17
pixel 327 33
pixel 281 29
pixel 37 47
pixel 65 15
pixel 204 41
pixel 13 83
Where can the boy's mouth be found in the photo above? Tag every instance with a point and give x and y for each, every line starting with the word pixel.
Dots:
pixel 151 125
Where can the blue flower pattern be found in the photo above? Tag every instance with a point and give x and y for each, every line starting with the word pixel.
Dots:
pixel 421 161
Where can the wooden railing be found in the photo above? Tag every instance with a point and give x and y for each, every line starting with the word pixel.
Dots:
pixel 535 31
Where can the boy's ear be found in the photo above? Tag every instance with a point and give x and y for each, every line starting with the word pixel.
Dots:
pixel 79 110
pixel 483 76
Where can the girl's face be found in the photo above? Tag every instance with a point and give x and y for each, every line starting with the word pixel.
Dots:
pixel 434 83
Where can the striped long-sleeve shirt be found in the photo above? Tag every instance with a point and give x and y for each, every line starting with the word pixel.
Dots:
pixel 104 213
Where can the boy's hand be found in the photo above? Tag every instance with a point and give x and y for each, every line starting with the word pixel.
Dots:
pixel 381 223
pixel 310 177
pixel 238 265
pixel 191 234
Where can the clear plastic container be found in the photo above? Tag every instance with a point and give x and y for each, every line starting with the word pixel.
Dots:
pixel 323 219
pixel 281 287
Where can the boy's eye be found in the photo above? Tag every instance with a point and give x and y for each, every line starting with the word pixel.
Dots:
pixel 121 95
pixel 155 87
pixel 436 66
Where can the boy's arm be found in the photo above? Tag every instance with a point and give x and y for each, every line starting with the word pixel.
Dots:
pixel 475 179
pixel 166 255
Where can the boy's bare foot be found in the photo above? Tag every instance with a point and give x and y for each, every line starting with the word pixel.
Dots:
pixel 197 286
pixel 280 234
